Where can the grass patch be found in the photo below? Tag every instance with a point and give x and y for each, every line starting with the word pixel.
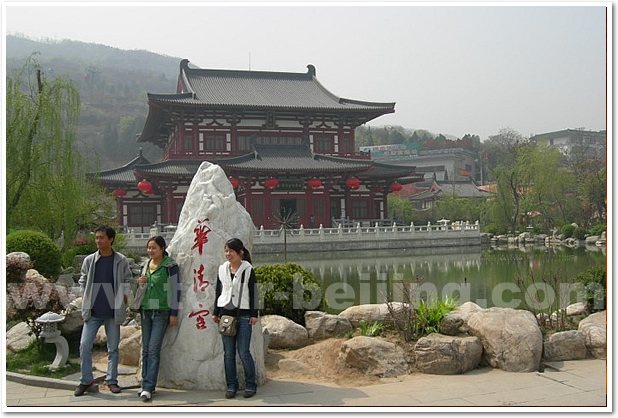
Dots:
pixel 35 359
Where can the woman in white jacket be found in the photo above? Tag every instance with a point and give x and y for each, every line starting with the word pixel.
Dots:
pixel 237 271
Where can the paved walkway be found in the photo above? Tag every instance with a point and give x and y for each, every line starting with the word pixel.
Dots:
pixel 569 384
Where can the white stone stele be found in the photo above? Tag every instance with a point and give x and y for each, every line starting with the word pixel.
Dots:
pixel 192 351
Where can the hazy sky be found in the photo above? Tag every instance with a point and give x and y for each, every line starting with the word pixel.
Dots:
pixel 451 69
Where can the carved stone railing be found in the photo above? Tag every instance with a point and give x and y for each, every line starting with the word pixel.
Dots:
pixel 265 237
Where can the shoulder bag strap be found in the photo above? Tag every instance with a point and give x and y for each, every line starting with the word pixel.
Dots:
pixel 242 285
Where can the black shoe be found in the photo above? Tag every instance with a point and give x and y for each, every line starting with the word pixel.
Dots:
pixel 81 389
pixel 114 388
pixel 230 395
pixel 249 394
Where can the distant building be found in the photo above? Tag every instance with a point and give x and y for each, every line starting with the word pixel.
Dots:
pixel 451 171
pixel 575 140
pixel 285 141
pixel 445 164
pixel 424 194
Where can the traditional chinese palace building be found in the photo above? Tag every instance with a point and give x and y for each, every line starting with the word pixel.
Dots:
pixel 284 140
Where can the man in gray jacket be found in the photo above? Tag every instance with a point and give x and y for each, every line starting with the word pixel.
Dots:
pixel 105 283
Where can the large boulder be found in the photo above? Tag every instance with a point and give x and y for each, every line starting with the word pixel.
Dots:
pixel 284 333
pixel 192 351
pixel 321 325
pixel 125 332
pixel 594 328
pixel 456 321
pixel 34 276
pixel 444 354
pixel 575 309
pixel 19 255
pixel 511 338
pixel 19 337
pixel 566 345
pixel 371 313
pixel 130 349
pixel 374 356
pixel 73 321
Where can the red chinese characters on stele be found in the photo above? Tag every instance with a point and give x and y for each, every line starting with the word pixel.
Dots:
pixel 199 283
pixel 201 235
pixel 198 280
pixel 200 321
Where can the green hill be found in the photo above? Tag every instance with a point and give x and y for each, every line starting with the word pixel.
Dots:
pixel 112 83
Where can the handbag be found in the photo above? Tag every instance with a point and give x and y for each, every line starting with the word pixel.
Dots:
pixel 228 324
pixel 136 303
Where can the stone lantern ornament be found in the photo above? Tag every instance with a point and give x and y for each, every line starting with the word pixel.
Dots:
pixel 49 323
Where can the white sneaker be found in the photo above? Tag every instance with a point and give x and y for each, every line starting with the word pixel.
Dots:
pixel 145 395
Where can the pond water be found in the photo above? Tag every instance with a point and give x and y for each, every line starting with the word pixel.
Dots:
pixel 522 277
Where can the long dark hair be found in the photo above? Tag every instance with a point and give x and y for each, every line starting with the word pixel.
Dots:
pixel 237 245
pixel 160 241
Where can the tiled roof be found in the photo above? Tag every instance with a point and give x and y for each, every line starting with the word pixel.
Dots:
pixel 463 189
pixel 124 174
pixel 291 159
pixel 175 168
pixel 261 89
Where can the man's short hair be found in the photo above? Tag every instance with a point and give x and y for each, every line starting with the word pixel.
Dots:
pixel 109 231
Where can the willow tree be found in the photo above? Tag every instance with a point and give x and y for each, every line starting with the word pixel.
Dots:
pixel 46 182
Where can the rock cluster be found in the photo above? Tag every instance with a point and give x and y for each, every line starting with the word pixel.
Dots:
pixel 471 336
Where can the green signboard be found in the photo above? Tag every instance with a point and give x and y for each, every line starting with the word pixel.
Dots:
pixel 392 151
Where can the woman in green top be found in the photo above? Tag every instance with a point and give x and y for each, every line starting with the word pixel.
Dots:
pixel 159 308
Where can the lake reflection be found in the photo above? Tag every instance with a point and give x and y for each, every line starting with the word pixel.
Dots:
pixel 485 276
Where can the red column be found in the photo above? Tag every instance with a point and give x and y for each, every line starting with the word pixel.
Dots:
pixel 308 207
pixel 168 205
pixel 119 211
pixel 267 208
pixel 372 205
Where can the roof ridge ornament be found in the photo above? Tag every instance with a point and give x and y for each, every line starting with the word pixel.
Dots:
pixel 311 70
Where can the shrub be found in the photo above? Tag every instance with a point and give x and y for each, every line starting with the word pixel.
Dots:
pixel 27 301
pixel 567 230
pixel 429 314
pixel 16 269
pixel 594 287
pixel 598 229
pixel 374 329
pixel 492 229
pixel 45 255
pixel 68 258
pixel 579 233
pixel 288 290
pixel 415 317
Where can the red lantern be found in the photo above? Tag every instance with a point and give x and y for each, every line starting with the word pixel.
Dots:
pixel 314 183
pixel 271 183
pixel 353 183
pixel 119 192
pixel 233 181
pixel 378 189
pixel 145 186
pixel 395 187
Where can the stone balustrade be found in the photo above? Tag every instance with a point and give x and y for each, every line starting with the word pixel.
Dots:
pixel 343 238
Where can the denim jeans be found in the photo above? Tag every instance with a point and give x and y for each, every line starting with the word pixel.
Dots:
pixel 241 340
pixel 89 332
pixel 154 324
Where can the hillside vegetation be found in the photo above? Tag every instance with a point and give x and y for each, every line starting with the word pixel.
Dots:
pixel 113 86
